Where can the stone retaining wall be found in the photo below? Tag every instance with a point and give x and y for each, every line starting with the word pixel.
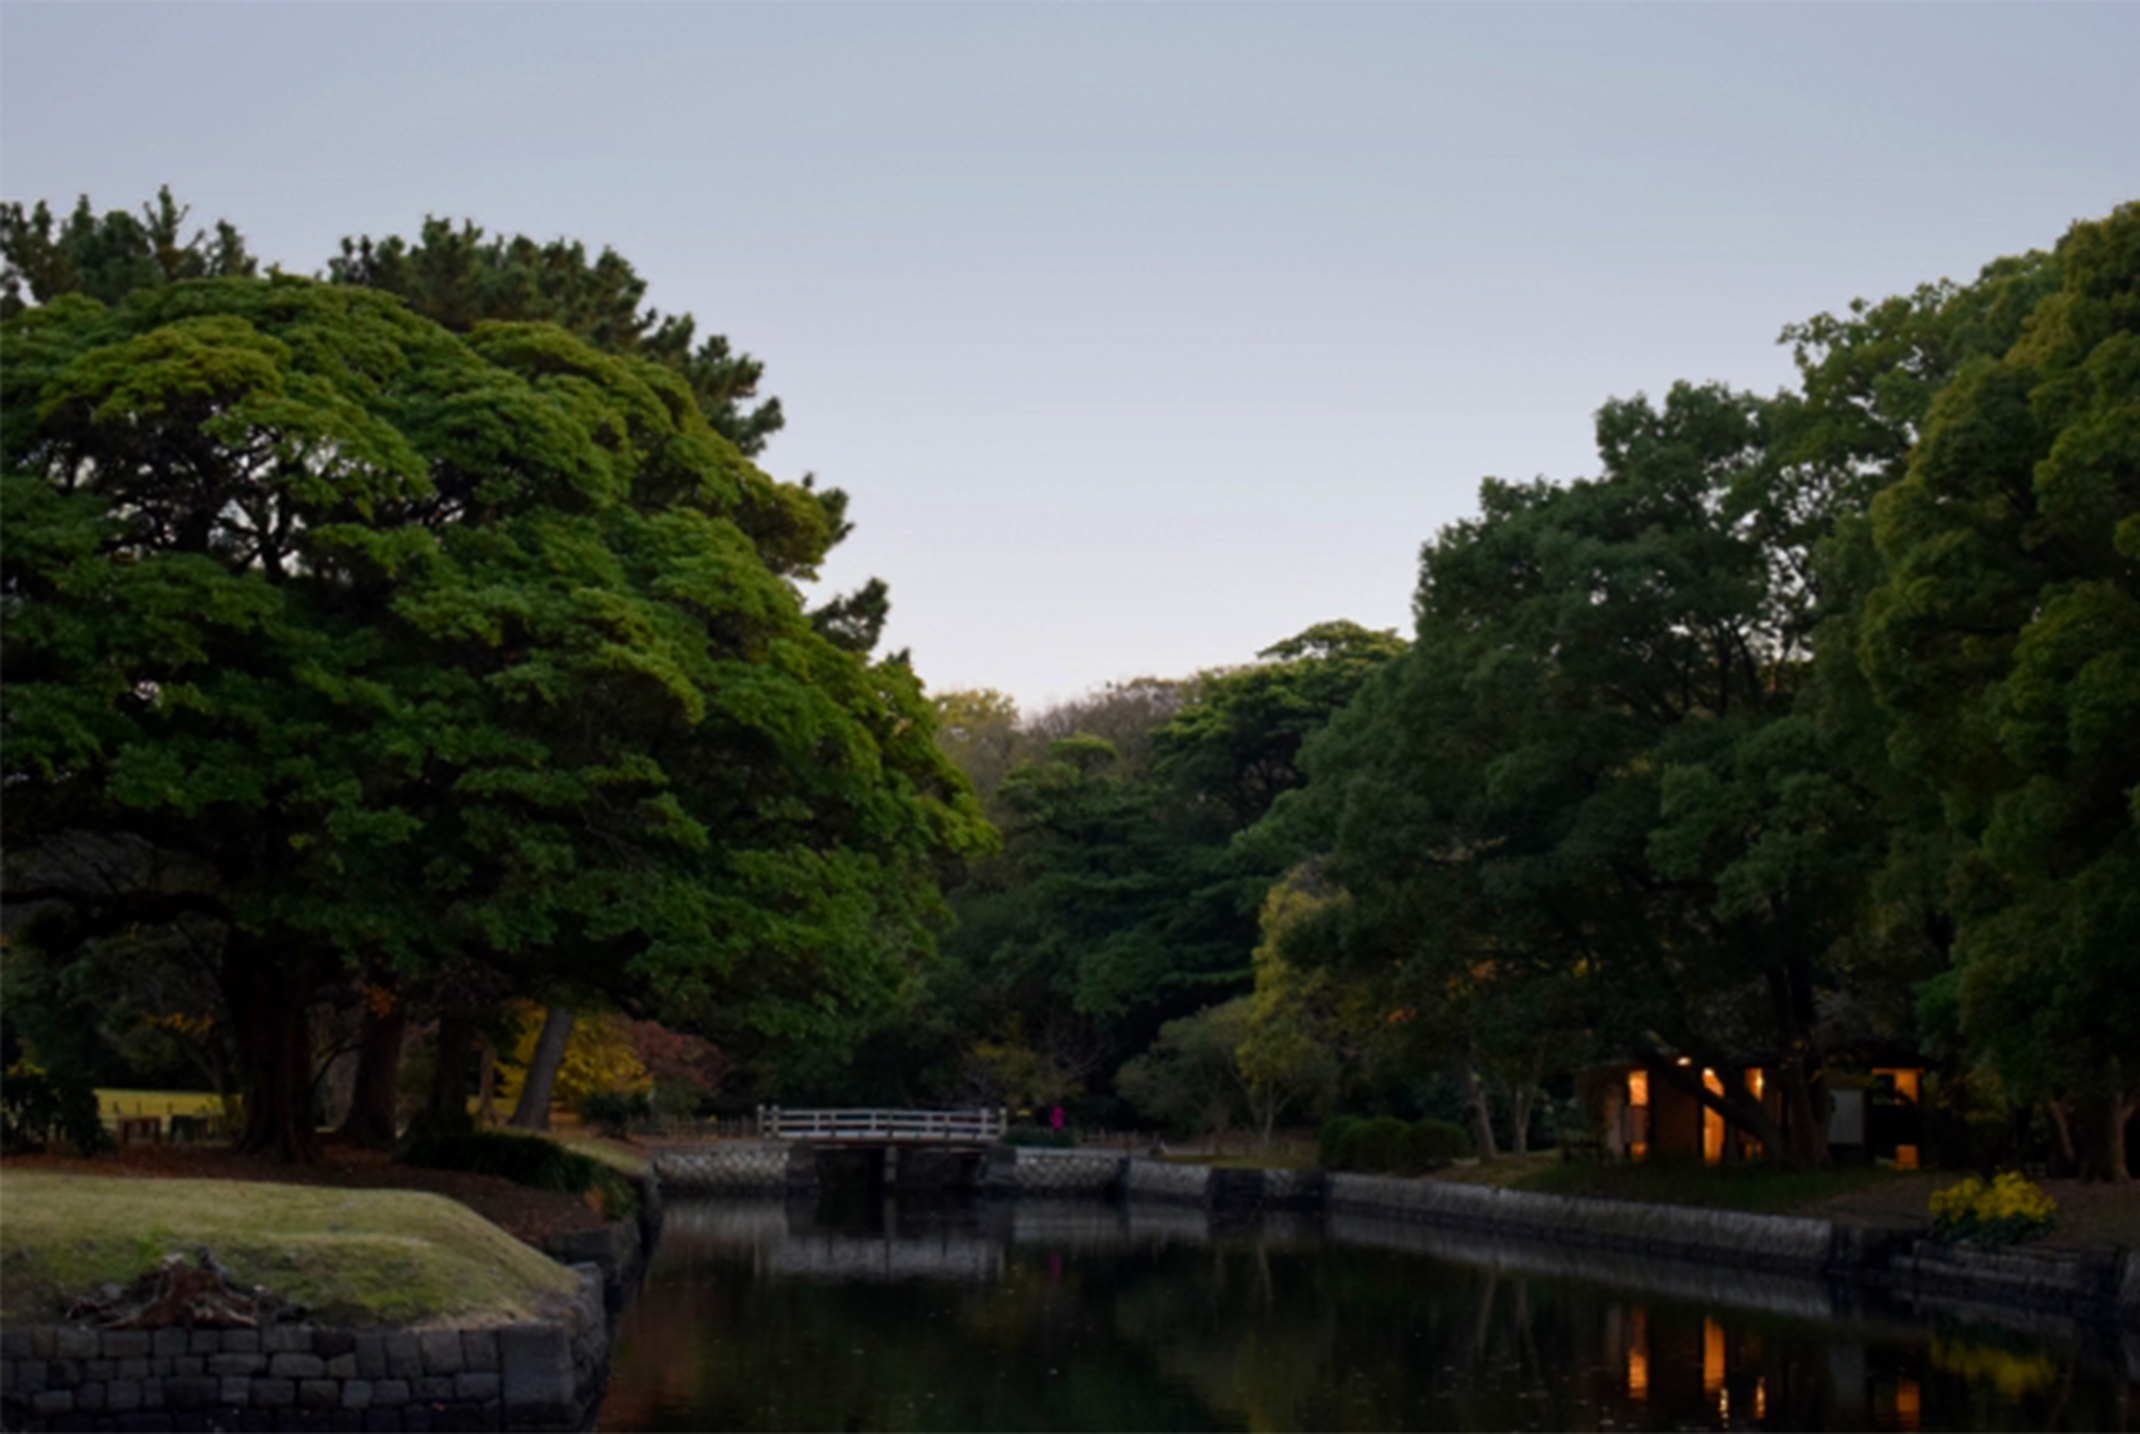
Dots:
pixel 546 1375
pixel 1769 1241
pixel 725 1167
pixel 1030 1170
pixel 2061 1280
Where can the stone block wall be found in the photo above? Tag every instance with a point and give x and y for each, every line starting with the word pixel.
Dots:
pixel 727 1167
pixel 1027 1170
pixel 1768 1241
pixel 1158 1180
pixel 546 1375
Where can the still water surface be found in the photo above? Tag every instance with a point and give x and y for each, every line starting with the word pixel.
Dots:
pixel 860 1313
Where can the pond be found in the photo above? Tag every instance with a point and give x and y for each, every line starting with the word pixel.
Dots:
pixel 856 1312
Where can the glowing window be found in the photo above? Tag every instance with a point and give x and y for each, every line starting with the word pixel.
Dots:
pixel 1756 1082
pixel 1638 1087
pixel 1907 1081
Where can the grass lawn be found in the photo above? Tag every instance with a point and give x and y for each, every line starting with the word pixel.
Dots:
pixel 1760 1189
pixel 394 1257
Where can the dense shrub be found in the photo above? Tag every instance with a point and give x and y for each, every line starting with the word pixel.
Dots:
pixel 526 1160
pixel 2007 1211
pixel 1386 1145
pixel 1040 1136
pixel 36 1108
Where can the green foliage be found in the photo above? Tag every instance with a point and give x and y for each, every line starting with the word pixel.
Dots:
pixel 107 257
pixel 2005 640
pixel 526 1160
pixel 349 635
pixel 37 1108
pixel 1188 1080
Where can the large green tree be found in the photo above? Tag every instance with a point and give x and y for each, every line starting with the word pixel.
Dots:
pixel 1583 802
pixel 2005 640
pixel 389 646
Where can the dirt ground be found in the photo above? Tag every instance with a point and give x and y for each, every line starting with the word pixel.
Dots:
pixel 530 1215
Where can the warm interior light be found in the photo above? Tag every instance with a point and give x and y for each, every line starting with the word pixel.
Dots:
pixel 1638 1088
pixel 1907 1081
pixel 1712 1357
pixel 1712 1122
pixel 1755 1082
pixel 1761 1398
pixel 1909 1405
pixel 1905 1157
pixel 1638 1353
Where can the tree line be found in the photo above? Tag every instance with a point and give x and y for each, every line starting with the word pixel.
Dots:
pixel 1808 726
pixel 421 638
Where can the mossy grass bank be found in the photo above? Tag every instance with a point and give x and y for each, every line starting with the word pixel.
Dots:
pixel 350 1257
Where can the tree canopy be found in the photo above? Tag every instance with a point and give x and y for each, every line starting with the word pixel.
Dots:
pixel 373 642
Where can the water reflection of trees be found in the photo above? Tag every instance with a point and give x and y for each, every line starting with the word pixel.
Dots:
pixel 1089 1316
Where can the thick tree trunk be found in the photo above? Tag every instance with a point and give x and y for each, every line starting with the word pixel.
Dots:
pixel 1808 1127
pixel 1790 991
pixel 374 1118
pixel 532 1111
pixel 268 1000
pixel 1482 1116
pixel 445 1112
pixel 2062 1122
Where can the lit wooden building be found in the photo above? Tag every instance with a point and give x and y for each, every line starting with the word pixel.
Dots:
pixel 1641 1115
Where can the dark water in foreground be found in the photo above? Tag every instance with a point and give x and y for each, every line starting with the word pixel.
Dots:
pixel 1045 1315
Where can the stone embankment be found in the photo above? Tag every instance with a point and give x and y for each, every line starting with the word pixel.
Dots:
pixel 537 1376
pixel 543 1375
pixel 2094 1287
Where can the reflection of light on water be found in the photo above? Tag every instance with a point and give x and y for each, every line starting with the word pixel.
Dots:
pixel 1761 1398
pixel 1638 1353
pixel 2013 1375
pixel 1909 1405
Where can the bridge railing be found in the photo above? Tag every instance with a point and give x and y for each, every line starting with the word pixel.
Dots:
pixel 951 1127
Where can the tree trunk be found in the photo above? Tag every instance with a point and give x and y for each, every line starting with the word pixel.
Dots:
pixel 269 1024
pixel 1482 1116
pixel 1520 1096
pixel 2062 1123
pixel 1808 1127
pixel 374 1118
pixel 532 1112
pixel 2122 1103
pixel 446 1110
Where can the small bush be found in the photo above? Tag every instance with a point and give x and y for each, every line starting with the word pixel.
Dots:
pixel 1430 1145
pixel 526 1160
pixel 2005 1212
pixel 1039 1136
pixel 37 1108
pixel 1339 1143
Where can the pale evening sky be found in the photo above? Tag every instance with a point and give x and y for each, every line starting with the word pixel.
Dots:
pixel 1142 335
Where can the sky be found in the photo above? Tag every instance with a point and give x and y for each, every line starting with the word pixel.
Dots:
pixel 1142 336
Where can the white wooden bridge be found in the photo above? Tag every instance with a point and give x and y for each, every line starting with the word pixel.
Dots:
pixel 884 1127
